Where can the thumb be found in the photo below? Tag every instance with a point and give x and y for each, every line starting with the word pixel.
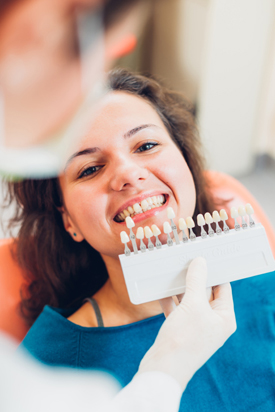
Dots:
pixel 196 278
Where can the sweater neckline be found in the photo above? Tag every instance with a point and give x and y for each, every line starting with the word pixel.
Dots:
pixel 61 316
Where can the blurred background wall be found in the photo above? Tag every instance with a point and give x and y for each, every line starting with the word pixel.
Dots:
pixel 221 55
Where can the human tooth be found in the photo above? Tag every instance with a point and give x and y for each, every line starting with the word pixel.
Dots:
pixel 162 198
pixel 126 213
pixel 154 199
pixel 131 210
pixel 144 205
pixel 121 215
pixel 137 208
pixel 149 201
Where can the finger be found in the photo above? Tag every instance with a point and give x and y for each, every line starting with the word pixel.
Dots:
pixel 167 305
pixel 196 279
pixel 222 297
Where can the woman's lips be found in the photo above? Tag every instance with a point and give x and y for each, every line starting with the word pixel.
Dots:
pixel 149 213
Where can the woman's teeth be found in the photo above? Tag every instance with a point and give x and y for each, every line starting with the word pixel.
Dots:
pixel 143 206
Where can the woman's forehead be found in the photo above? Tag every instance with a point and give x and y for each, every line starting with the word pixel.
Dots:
pixel 117 114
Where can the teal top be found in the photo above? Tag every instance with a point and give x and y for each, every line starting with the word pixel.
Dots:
pixel 239 377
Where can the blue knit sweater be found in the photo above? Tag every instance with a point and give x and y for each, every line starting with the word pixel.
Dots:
pixel 240 376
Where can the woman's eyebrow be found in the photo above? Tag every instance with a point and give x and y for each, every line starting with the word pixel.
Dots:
pixel 133 131
pixel 90 150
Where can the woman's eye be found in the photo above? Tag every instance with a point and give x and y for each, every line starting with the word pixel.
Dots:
pixel 146 146
pixel 89 171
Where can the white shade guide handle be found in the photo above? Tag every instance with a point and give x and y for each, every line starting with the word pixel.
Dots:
pixel 156 231
pixel 167 228
pixel 129 222
pixel 182 224
pixel 170 213
pixel 140 233
pixel 148 232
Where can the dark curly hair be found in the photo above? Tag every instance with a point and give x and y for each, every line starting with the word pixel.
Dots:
pixel 59 271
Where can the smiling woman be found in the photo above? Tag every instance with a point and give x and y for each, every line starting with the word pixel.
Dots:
pixel 140 156
pixel 142 148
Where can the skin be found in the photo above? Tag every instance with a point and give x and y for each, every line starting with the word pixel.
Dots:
pixel 41 79
pixel 122 173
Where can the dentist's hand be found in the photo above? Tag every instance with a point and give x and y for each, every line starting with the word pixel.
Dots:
pixel 194 331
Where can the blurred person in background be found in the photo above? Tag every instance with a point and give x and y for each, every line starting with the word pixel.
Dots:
pixel 52 55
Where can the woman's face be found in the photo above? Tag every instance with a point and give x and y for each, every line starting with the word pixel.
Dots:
pixel 127 157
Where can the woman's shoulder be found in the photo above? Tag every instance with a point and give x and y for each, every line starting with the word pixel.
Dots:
pixel 52 339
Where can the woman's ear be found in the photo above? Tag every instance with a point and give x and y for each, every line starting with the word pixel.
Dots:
pixel 69 226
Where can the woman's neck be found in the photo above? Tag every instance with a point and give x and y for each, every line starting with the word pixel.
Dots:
pixel 114 302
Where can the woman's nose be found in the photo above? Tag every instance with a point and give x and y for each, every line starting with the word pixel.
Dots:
pixel 127 174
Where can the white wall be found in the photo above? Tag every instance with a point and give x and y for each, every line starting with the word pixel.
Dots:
pixel 236 51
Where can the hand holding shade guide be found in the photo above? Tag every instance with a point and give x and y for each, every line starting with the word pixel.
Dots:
pixel 233 254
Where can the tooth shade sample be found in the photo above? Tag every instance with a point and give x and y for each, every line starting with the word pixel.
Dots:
pixel 182 224
pixel 234 212
pixel 223 215
pixel 216 216
pixel 249 209
pixel 155 230
pixel 170 213
pixel 140 233
pixel 190 222
pixel 137 208
pixel 242 211
pixel 167 228
pixel 208 218
pixel 148 232
pixel 144 204
pixel 124 237
pixel 129 222
pixel 200 220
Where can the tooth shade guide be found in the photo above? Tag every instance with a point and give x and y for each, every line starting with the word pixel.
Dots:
pixel 250 211
pixel 171 215
pixel 234 215
pixel 129 222
pixel 209 219
pixel 153 276
pixel 224 217
pixel 125 239
pixel 201 223
pixel 140 233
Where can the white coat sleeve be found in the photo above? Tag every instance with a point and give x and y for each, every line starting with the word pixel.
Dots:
pixel 149 392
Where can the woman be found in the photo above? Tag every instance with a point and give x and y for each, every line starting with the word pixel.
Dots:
pixel 142 144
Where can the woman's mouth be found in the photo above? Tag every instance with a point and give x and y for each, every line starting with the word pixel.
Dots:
pixel 142 207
